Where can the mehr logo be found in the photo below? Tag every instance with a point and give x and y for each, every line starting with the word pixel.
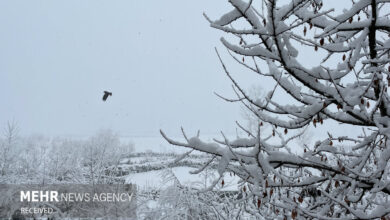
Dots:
pixel 39 196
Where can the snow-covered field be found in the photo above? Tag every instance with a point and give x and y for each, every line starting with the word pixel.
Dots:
pixel 155 179
pixel 149 171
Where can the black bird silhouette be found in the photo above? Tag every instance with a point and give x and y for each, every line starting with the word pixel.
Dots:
pixel 106 94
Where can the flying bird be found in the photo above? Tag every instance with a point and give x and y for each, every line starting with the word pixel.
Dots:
pixel 106 94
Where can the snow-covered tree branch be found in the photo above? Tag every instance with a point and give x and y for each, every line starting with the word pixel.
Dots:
pixel 337 177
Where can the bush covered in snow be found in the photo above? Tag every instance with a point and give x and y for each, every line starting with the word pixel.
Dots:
pixel 40 160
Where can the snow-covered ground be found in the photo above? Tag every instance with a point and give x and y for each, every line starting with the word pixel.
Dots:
pixel 155 179
pixel 151 170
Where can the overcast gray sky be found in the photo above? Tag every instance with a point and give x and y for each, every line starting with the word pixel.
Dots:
pixel 157 57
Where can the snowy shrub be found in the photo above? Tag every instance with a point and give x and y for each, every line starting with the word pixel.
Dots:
pixel 45 161
pixel 40 160
pixel 8 148
pixel 339 176
pixel 178 201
